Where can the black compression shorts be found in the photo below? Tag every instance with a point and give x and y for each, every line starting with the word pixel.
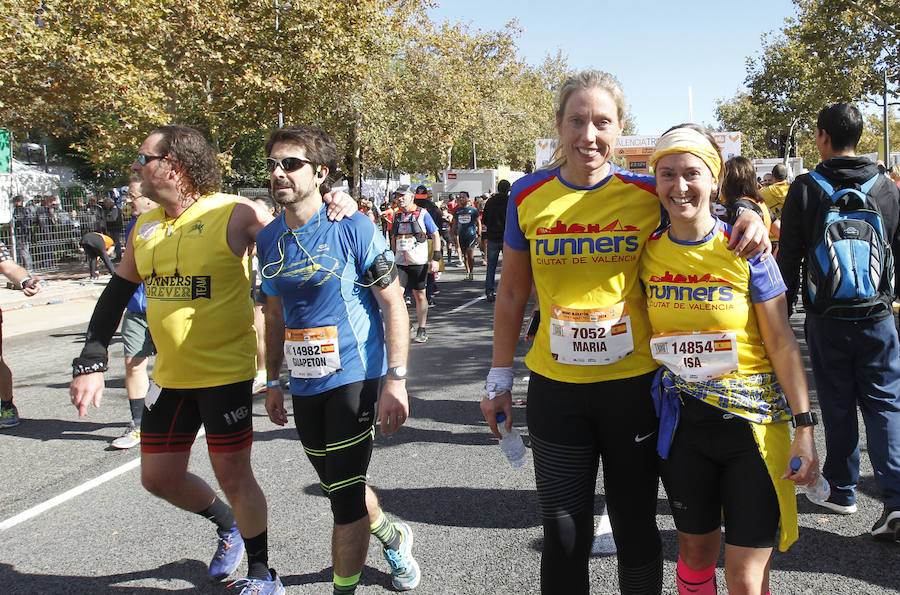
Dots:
pixel 714 467
pixel 467 242
pixel 414 276
pixel 171 423
pixel 337 428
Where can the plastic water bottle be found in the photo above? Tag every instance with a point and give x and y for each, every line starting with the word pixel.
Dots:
pixel 511 444
pixel 819 492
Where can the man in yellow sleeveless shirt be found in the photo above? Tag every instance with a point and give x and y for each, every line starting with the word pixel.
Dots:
pixel 192 254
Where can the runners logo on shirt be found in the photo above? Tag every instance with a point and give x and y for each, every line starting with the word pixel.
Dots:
pixel 612 242
pixel 562 228
pixel 712 291
pixel 178 287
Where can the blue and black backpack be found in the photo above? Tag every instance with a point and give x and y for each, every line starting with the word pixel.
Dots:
pixel 850 270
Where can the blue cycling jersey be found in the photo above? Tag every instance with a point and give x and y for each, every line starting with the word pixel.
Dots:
pixel 318 272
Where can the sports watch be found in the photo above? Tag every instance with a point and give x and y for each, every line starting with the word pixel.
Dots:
pixel 805 419
pixel 397 372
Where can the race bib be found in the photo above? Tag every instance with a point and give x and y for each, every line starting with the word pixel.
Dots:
pixel 153 393
pixel 406 244
pixel 312 352
pixel 590 337
pixel 698 356
pixel 465 219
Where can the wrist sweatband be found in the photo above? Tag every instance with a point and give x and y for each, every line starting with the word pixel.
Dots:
pixel 436 255
pixel 24 283
pixel 499 381
pixel 103 325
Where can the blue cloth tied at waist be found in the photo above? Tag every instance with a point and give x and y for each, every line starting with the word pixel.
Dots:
pixel 668 409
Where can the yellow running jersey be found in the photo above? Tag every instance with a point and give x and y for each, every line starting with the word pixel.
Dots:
pixel 198 296
pixel 585 246
pixel 703 286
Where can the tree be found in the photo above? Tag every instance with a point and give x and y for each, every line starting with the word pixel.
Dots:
pixel 391 86
pixel 834 50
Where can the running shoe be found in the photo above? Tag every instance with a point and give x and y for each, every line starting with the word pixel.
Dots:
pixel 490 296
pixel 469 277
pixel 228 556
pixel 431 302
pixel 9 417
pixel 131 437
pixel 255 586
pixel 838 508
pixel 259 385
pixel 887 528
pixel 421 335
pixel 405 574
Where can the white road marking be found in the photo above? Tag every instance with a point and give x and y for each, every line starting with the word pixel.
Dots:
pixel 76 491
pixel 467 304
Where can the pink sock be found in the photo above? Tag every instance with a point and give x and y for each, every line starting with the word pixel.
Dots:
pixel 695 582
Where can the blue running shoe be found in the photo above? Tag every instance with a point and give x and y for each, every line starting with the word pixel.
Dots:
pixel 255 586
pixel 229 554
pixel 405 574
pixel 9 417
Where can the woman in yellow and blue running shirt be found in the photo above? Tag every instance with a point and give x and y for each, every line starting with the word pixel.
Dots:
pixel 732 376
pixel 577 230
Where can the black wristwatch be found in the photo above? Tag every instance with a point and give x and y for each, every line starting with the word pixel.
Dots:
pixel 397 372
pixel 805 419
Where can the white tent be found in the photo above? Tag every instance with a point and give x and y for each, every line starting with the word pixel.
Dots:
pixel 27 180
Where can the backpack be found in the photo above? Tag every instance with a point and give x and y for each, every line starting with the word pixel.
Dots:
pixel 406 223
pixel 850 266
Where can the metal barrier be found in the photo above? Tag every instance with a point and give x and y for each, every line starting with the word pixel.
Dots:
pixel 47 239
pixel 253 193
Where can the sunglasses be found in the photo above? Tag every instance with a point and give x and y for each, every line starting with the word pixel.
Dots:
pixel 145 159
pixel 288 164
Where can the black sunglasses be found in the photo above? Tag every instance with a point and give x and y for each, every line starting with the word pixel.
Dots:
pixel 288 164
pixel 145 159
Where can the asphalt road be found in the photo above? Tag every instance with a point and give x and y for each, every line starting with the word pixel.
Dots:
pixel 475 519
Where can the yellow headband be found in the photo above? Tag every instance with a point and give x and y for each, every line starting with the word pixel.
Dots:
pixel 688 140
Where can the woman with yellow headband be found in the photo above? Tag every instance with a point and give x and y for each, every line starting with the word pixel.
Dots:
pixel 577 229
pixel 732 378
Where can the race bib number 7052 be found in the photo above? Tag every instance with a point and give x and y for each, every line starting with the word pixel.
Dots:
pixel 590 336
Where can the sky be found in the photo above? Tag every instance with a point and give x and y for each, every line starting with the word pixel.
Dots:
pixel 656 49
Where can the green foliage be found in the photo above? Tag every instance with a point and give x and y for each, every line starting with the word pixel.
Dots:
pixel 392 87
pixel 833 50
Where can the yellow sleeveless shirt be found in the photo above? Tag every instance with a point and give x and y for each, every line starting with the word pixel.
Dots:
pixel 198 296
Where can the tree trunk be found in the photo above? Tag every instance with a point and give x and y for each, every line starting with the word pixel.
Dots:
pixel 355 161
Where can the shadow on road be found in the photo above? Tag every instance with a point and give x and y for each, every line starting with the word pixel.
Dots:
pixel 189 571
pixel 46 430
